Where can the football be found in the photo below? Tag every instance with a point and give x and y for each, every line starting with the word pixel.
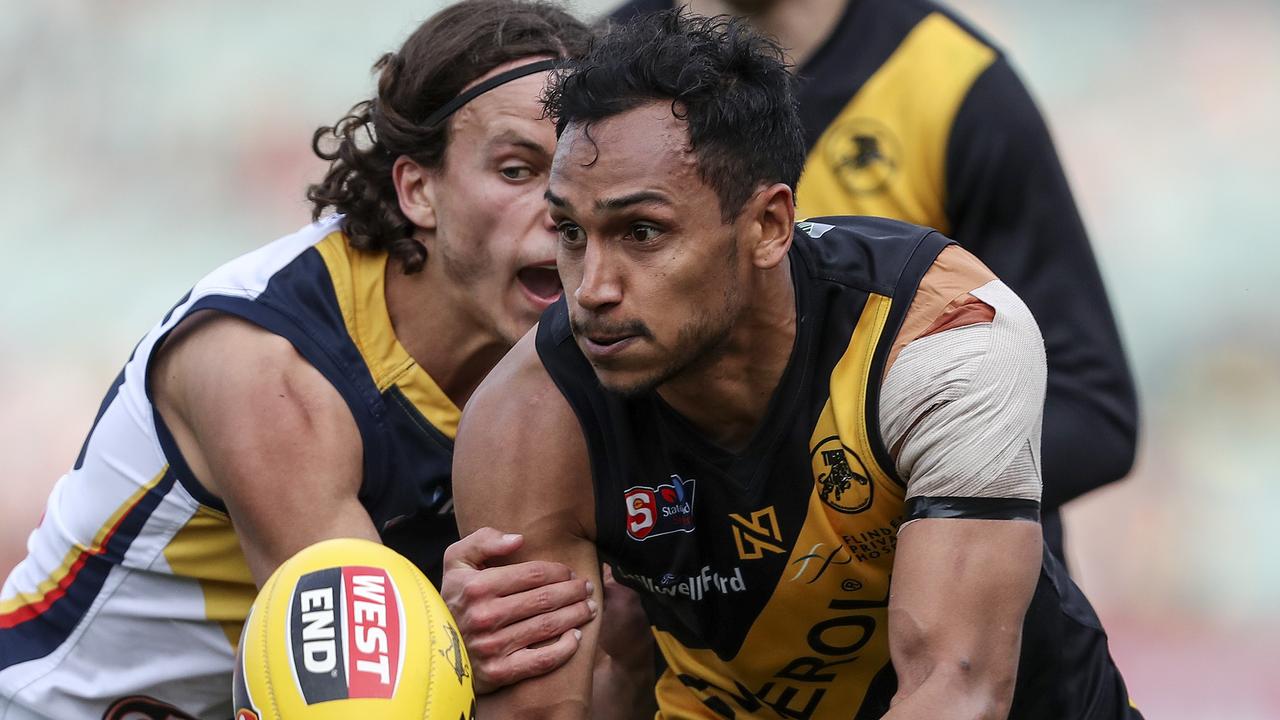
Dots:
pixel 350 629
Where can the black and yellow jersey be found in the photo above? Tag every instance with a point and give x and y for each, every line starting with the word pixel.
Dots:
pixel 765 573
pixel 910 113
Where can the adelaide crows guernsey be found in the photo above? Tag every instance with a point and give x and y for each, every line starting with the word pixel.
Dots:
pixel 765 573
pixel 133 593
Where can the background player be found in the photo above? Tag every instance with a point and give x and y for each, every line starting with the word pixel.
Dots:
pixel 310 390
pixel 723 386
pixel 910 113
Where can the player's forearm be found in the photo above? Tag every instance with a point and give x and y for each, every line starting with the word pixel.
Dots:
pixel 622 690
pixel 514 703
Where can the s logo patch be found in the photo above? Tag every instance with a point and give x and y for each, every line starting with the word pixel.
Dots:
pixel 661 510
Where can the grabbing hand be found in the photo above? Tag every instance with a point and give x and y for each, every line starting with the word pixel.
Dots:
pixel 517 621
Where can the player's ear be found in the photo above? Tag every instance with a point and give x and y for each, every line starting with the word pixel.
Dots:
pixel 772 211
pixel 414 185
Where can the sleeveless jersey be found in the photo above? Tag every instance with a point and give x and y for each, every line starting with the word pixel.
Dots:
pixel 765 573
pixel 135 584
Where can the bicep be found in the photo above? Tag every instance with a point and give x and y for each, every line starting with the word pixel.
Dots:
pixel 266 433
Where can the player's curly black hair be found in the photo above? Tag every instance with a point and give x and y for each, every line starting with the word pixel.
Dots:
pixel 728 82
pixel 450 50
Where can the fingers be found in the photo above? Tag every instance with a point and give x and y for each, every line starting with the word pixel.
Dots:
pixel 492 673
pixel 513 579
pixel 543 614
pixel 480 547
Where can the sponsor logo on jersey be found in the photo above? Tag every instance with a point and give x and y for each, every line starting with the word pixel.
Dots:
pixel 863 153
pixel 346 634
pixel 661 510
pixel 814 230
pixel 842 479
pixel 694 587
pixel 757 534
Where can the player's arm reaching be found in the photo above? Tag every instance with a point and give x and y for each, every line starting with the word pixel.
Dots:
pixel 520 463
pixel 961 409
pixel 265 432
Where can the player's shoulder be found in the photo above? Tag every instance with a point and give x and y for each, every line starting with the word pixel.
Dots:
pixel 516 392
pixel 250 274
pixel 870 253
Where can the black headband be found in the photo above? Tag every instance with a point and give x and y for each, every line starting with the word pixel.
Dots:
pixel 452 106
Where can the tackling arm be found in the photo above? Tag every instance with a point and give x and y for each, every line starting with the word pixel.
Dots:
pixel 520 463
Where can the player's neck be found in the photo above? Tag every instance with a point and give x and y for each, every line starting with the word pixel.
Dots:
pixel 726 397
pixel 443 339
pixel 800 26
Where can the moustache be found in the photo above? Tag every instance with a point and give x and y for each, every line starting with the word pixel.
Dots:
pixel 597 328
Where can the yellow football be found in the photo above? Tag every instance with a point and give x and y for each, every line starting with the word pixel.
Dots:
pixel 351 629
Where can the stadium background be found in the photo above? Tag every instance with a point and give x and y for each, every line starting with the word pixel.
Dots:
pixel 142 143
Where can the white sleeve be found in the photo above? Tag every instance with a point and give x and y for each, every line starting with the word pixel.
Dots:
pixel 962 408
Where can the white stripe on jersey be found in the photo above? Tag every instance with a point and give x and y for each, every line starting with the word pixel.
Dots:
pixel 152 628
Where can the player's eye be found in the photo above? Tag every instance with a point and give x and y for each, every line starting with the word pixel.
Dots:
pixel 644 233
pixel 571 236
pixel 517 172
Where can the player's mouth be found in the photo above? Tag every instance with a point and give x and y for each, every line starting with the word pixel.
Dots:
pixel 600 347
pixel 541 284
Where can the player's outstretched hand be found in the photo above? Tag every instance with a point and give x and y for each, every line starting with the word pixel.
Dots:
pixel 517 621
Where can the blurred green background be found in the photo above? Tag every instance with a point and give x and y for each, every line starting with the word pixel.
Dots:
pixel 142 143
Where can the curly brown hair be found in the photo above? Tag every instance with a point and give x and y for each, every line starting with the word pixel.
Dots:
pixel 446 53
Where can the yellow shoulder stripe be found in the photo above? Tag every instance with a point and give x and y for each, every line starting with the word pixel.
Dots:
pixel 359 279
pixel 885 153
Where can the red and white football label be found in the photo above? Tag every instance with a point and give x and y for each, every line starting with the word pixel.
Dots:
pixel 374 621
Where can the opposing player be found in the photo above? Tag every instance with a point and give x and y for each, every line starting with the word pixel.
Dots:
pixel 310 390
pixel 910 113
pixel 777 418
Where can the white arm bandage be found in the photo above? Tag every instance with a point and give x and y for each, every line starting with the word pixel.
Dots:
pixel 963 407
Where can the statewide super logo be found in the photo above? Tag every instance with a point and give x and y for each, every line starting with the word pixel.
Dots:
pixel 346 631
pixel 661 510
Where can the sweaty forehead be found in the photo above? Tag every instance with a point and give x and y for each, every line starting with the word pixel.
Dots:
pixel 644 148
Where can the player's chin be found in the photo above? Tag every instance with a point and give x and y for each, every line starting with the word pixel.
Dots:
pixel 616 377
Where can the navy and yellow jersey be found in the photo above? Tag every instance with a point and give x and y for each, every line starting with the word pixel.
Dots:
pixel 765 573
pixel 909 113
pixel 135 585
